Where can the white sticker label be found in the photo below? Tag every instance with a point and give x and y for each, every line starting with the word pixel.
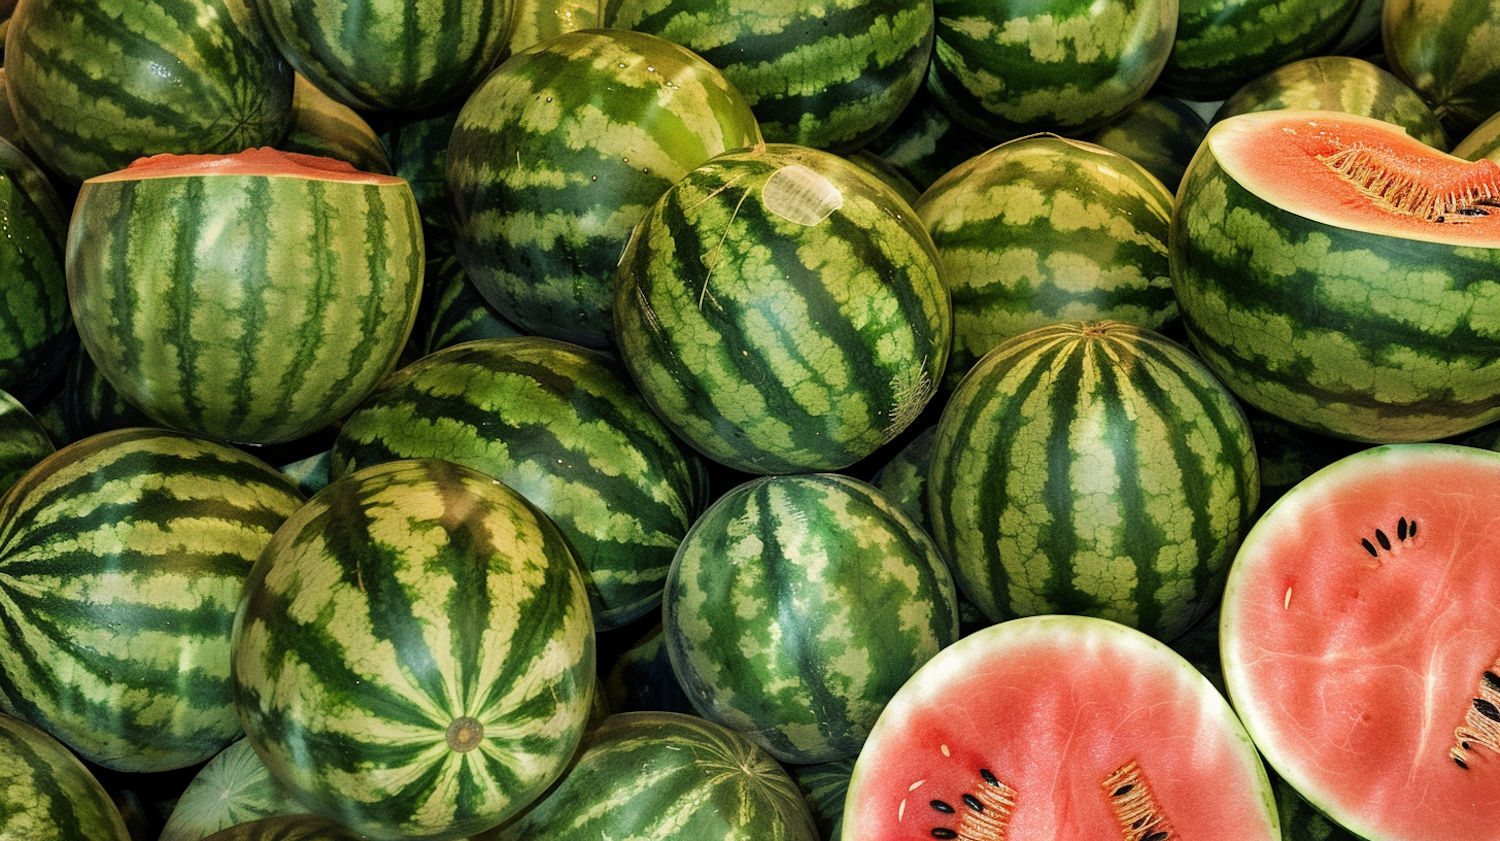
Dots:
pixel 801 195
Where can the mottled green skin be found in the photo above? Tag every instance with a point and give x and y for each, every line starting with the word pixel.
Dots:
pixel 1482 142
pixel 453 311
pixel 413 655
pixel 1094 468
pixel 386 55
pixel 417 146
pixel 1364 336
pixel 1012 67
pixel 560 152
pixel 1449 52
pixel 23 440
pixel 830 75
pixel 287 828
pixel 663 775
pixel 824 784
pixel 924 143
pixel 233 788
pixel 1045 229
pixel 1159 132
pixel 36 326
pixel 86 404
pixel 253 308
pixel 563 426
pixel 46 794
pixel 322 126
pixel 770 336
pixel 798 605
pixel 534 21
pixel 1338 83
pixel 96 84
pixel 1222 44
pixel 903 478
pixel 122 557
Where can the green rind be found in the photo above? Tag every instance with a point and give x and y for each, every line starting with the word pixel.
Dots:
pixel 924 143
pixel 233 788
pixel 329 129
pixel 1222 44
pixel 1093 468
pixel 1449 52
pixel 1357 335
pixel 452 310
pixel 1338 83
pixel 46 794
pixel 23 441
pixel 1045 229
pixel 96 84
pixel 36 326
pixel 563 426
pixel 772 340
pixel 1159 132
pixel 830 75
pixel 534 21
pixel 558 154
pixel 1008 69
pixel 121 562
pixel 824 786
pixel 798 605
pixel 398 602
pixel 253 308
pixel 1482 142
pixel 287 828
pixel 659 775
pixel 387 55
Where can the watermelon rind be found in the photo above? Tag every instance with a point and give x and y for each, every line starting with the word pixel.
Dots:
pixel 234 787
pixel 47 794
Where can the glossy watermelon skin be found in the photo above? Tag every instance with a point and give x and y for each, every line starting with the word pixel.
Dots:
pixel 1096 468
pixel 24 441
pixel 1222 44
pixel 328 128
pixel 234 787
pixel 47 794
pixel 36 326
pixel 1020 730
pixel 287 828
pixel 413 655
pixel 250 306
pixel 815 331
pixel 95 85
pixel 1160 132
pixel 122 557
pixel 1446 50
pixel 654 774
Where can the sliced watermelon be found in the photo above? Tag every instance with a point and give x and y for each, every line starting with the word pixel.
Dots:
pixel 1360 639
pixel 1059 728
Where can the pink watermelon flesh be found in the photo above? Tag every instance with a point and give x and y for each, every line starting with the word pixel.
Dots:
pixel 1360 638
pixel 1058 728
pixel 261 161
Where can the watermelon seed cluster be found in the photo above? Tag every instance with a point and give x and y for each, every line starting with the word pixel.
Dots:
pixel 1378 174
pixel 985 815
pixel 1404 529
pixel 1481 721
pixel 1134 806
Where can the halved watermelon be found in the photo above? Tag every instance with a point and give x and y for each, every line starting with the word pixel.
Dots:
pixel 1058 728
pixel 1360 639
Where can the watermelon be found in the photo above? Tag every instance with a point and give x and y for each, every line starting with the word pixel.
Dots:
pixel 46 794
pixel 413 655
pixel 560 151
pixel 534 21
pixel 1068 728
pixel 825 785
pixel 563 426
pixel 1357 641
pixel 1222 44
pixel 1338 274
pixel 1338 83
pixel 1045 229
pixel 452 311
pixel 324 127
pixel 254 297
pixel 830 75
pixel 797 605
pixel 924 143
pixel 36 327
pixel 95 84
pixel 388 55
pixel 86 404
pixel 1159 132
pixel 1095 468
pixel 417 146
pixel 1068 66
pixel 287 828
pixel 783 311
pixel 641 678
pixel 122 557
pixel 23 441
pixel 1482 142
pixel 659 775
pixel 1449 52
pixel 234 787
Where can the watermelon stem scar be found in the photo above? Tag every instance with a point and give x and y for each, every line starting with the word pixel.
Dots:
pixel 983 817
pixel 1392 182
pixel 1133 806
pixel 1481 721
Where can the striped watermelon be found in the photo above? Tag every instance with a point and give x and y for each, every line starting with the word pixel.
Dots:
pixel 797 605
pixel 1340 275
pixel 563 426
pixel 1159 132
pixel 452 311
pixel 388 55
pixel 1449 52
pixel 1011 68
pixel 122 557
pixel 413 655
pixel 23 441
pixel 783 310
pixel 96 84
pixel 825 785
pixel 1482 142
pixel 1046 229
pixel 287 828
pixel 46 794
pixel 663 775
pixel 1222 44
pixel 234 787
pixel 36 328
pixel 534 21
pixel 254 297
pixel 829 75
pixel 924 143
pixel 1094 468
pixel 417 146
pixel 325 127
pixel 561 150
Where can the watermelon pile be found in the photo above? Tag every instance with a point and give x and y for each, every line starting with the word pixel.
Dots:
pixel 864 420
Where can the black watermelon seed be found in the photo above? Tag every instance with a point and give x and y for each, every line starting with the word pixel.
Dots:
pixel 989 777
pixel 941 807
pixel 1369 547
pixel 1123 790
pixel 1462 764
pixel 973 803
pixel 1140 821
pixel 943 832
pixel 1385 542
pixel 1472 211
pixel 1487 709
pixel 1401 529
pixel 1412 532
pixel 1492 679
pixel 1156 836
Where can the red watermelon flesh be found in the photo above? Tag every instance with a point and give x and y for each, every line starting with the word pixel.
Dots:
pixel 1058 728
pixel 1360 639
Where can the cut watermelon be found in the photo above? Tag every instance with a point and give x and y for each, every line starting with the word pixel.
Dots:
pixel 1063 728
pixel 1358 635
